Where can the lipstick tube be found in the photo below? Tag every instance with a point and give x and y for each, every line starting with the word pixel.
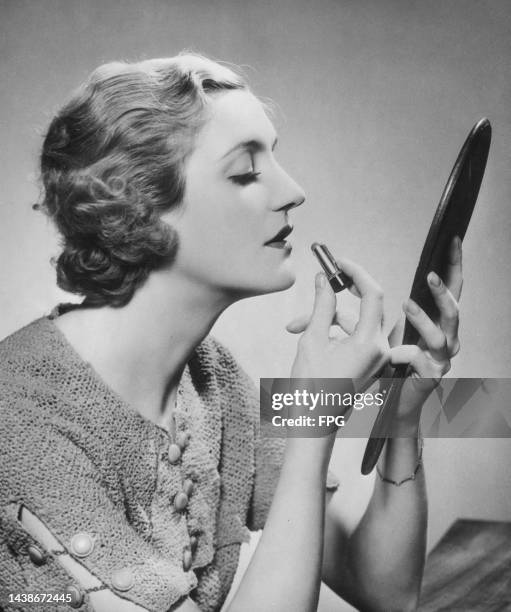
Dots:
pixel 336 277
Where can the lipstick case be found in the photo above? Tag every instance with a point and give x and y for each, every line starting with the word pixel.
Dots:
pixel 336 277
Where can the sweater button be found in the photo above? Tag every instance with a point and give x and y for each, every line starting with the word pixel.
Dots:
pixel 180 501
pixel 188 487
pixel 36 555
pixel 82 544
pixel 122 579
pixel 174 453
pixel 187 558
pixel 75 594
pixel 182 439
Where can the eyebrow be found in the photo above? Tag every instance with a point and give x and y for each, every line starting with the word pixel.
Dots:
pixel 253 146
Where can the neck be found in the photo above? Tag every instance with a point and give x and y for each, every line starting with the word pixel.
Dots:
pixel 141 349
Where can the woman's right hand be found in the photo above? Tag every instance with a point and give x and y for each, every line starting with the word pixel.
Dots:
pixel 359 355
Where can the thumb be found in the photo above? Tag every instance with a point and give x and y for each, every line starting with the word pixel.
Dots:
pixel 324 308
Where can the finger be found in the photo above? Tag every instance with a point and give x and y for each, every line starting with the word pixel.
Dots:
pixel 298 324
pixel 396 334
pixel 354 291
pixel 449 312
pixel 454 272
pixel 433 336
pixel 412 355
pixel 347 321
pixel 324 308
pixel 371 304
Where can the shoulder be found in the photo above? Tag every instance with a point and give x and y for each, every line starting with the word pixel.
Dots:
pixel 22 376
pixel 220 356
pixel 33 368
pixel 47 393
pixel 227 370
pixel 29 396
pixel 26 354
pixel 27 337
pixel 237 393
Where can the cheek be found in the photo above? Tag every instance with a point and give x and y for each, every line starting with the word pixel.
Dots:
pixel 228 219
pixel 222 232
pixel 242 228
pixel 221 239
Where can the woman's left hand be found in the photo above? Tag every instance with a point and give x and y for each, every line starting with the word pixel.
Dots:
pixel 439 343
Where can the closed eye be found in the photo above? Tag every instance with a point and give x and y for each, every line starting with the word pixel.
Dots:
pixel 244 179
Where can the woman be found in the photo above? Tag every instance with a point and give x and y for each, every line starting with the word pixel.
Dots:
pixel 132 460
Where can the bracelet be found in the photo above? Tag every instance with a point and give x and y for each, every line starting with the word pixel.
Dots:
pixel 420 441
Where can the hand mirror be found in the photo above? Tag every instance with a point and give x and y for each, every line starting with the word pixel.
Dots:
pixel 451 219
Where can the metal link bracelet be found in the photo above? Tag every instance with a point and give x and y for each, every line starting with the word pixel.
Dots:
pixel 420 442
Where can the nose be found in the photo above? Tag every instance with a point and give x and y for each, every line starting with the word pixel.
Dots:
pixel 289 194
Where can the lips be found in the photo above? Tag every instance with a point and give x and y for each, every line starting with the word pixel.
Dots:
pixel 280 237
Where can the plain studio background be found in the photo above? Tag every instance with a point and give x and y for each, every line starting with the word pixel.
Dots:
pixel 374 100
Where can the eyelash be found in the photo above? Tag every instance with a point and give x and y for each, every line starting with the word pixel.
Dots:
pixel 244 179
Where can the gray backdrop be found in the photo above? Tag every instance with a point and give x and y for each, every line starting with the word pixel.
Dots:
pixel 374 98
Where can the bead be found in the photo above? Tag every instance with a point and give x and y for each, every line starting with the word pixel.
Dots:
pixel 182 439
pixel 188 487
pixel 180 501
pixel 76 595
pixel 174 453
pixel 37 556
pixel 187 558
pixel 82 544
pixel 123 579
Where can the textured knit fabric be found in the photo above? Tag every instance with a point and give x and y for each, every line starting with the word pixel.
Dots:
pixel 83 461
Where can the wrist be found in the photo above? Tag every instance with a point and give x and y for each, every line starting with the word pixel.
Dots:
pixel 406 427
pixel 310 451
pixel 399 452
pixel 407 422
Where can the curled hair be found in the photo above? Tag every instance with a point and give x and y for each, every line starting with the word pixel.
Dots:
pixel 112 163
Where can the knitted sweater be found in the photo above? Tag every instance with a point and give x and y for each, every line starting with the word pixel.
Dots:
pixel 89 466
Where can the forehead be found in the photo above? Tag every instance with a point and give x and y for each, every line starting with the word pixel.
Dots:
pixel 234 117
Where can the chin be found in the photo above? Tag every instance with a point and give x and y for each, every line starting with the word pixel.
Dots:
pixel 288 282
pixel 274 286
pixel 283 281
pixel 264 282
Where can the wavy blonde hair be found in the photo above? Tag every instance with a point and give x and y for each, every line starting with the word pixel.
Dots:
pixel 112 162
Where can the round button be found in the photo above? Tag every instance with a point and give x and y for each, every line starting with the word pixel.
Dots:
pixel 193 543
pixel 82 544
pixel 188 487
pixel 187 558
pixel 174 453
pixel 122 579
pixel 180 501
pixel 76 595
pixel 182 439
pixel 37 556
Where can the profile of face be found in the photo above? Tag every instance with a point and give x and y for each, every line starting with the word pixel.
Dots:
pixel 233 221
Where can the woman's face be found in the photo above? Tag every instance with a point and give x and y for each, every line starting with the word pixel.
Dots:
pixel 233 221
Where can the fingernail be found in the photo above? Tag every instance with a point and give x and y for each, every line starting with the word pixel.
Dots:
pixel 434 279
pixel 320 280
pixel 411 307
pixel 459 247
pixel 455 251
